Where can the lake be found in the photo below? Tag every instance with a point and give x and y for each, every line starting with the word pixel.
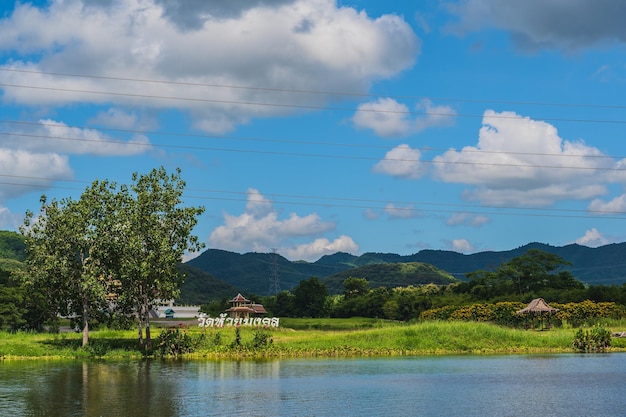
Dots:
pixel 516 385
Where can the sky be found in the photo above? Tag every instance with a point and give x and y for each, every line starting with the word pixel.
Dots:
pixel 309 127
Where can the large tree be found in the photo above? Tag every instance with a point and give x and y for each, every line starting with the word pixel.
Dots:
pixel 114 247
pixel 532 272
pixel 310 298
pixel 67 252
pixel 154 232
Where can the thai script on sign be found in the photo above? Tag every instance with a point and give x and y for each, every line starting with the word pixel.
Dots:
pixel 221 321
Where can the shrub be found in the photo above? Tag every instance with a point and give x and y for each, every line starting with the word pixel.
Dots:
pixel 597 339
pixel 174 342
pixel 261 339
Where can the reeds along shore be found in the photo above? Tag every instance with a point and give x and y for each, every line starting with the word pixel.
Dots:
pixel 308 338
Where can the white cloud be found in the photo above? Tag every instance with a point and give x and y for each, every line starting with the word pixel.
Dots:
pixel 320 247
pixel 300 45
pixel 407 212
pixel 460 245
pixel 120 119
pixel 593 238
pixel 259 229
pixel 8 220
pixel 23 172
pixel 523 162
pixel 59 138
pixel 388 118
pixel 385 116
pixel 467 219
pixel 401 161
pixel 614 206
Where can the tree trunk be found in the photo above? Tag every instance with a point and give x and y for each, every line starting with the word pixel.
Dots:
pixel 148 340
pixel 85 324
pixel 140 326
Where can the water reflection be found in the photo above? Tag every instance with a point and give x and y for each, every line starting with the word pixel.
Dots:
pixel 552 385
pixel 86 389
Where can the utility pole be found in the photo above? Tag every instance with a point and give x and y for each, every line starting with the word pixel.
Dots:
pixel 274 277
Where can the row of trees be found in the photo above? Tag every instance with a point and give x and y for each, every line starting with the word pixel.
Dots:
pixel 114 250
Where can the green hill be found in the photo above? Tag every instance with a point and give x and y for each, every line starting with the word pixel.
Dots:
pixel 391 275
pixel 603 265
pixel 202 288
pixel 12 250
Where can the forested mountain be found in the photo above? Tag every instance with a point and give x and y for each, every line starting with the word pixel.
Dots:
pixel 604 265
pixel 217 274
pixel 400 274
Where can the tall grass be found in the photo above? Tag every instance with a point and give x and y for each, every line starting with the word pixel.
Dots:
pixel 353 337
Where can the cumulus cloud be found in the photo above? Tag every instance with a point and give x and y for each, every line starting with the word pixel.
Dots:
pixel 402 161
pixel 23 171
pixel 523 162
pixel 593 238
pixel 389 118
pixel 615 206
pixel 300 45
pixel 320 247
pixel 460 245
pixel 533 24
pixel 259 229
pixel 54 136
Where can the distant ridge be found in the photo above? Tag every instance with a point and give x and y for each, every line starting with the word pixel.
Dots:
pixel 604 265
pixel 217 273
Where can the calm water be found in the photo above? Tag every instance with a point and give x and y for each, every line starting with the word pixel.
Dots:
pixel 553 385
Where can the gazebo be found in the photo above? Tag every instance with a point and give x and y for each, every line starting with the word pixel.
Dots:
pixel 538 308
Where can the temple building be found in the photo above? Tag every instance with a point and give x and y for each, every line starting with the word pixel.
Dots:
pixel 242 308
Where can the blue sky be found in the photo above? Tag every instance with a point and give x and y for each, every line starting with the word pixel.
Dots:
pixel 315 126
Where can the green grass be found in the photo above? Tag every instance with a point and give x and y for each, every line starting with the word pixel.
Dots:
pixel 313 337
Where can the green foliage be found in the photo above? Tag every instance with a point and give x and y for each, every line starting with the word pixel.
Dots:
pixel 310 298
pixel 174 342
pixel 12 246
pixel 588 312
pixel 201 288
pixel 391 275
pixel 122 243
pixel 596 339
pixel 261 338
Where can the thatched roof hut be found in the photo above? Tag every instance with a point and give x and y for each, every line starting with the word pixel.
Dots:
pixel 538 306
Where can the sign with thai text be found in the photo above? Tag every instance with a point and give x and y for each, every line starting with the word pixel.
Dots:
pixel 205 320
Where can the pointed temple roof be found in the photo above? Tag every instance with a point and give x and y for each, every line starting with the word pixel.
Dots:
pixel 239 299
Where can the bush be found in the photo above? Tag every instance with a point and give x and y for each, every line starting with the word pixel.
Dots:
pixel 174 342
pixel 261 339
pixel 597 339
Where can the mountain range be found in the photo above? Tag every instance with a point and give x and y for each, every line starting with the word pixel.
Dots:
pixel 217 274
pixel 251 272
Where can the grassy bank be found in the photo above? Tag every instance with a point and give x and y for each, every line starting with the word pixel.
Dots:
pixel 311 337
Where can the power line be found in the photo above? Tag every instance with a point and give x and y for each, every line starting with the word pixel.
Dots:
pixel 313 92
pixel 261 140
pixel 305 107
pixel 333 156
pixel 373 204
